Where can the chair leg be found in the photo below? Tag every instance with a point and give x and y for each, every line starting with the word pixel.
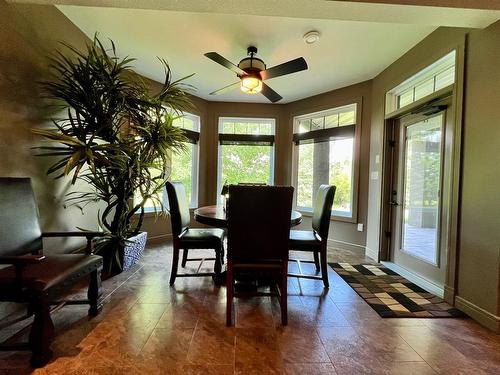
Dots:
pixel 184 257
pixel 175 265
pixel 218 277
pixel 42 331
pixel 222 253
pixel 284 297
pixel 316 261
pixel 94 293
pixel 218 260
pixel 324 268
pixel 229 295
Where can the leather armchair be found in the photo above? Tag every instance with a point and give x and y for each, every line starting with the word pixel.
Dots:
pixel 35 278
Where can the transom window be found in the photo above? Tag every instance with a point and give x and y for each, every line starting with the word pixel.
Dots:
pixel 429 80
pixel 325 154
pixel 246 151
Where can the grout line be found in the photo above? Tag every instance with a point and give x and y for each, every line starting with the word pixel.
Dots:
pixel 412 348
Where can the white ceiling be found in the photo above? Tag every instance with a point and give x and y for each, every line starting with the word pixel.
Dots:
pixel 348 51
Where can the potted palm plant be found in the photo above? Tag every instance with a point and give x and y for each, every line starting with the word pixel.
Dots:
pixel 113 133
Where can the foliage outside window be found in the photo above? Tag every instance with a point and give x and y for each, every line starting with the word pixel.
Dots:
pixel 324 154
pixel 246 151
pixel 182 166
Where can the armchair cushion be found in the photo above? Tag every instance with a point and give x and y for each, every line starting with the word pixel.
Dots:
pixel 52 275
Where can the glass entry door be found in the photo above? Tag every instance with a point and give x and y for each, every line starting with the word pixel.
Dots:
pixel 417 197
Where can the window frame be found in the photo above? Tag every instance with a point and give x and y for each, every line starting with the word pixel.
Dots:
pixel 194 167
pixel 247 119
pixel 430 72
pixel 323 110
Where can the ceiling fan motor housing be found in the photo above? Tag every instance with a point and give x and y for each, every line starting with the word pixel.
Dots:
pixel 252 65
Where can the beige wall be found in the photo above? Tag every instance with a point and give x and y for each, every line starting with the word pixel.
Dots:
pixel 479 259
pixel 28 33
pixel 473 275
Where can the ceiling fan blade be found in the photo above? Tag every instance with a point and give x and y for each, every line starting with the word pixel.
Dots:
pixel 227 88
pixel 289 67
pixel 214 56
pixel 269 93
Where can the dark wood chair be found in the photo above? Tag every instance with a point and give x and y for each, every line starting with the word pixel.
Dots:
pixel 258 231
pixel 185 238
pixel 316 240
pixel 36 279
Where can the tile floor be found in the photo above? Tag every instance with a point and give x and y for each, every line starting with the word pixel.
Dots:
pixel 146 327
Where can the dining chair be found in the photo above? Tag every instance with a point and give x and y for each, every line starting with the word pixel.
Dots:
pixel 315 240
pixel 257 233
pixel 186 238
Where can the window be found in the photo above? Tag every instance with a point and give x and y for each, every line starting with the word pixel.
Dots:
pixel 433 78
pixel 246 151
pixel 324 154
pixel 184 165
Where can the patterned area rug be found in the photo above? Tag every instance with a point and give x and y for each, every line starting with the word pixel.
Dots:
pixel 391 295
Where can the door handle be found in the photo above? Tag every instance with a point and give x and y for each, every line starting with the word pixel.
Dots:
pixel 393 203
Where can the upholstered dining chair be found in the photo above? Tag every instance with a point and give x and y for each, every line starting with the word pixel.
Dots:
pixel 258 229
pixel 316 240
pixel 185 238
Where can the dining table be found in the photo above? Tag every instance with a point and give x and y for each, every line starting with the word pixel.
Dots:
pixel 216 216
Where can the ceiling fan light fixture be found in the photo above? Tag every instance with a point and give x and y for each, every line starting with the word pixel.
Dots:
pixel 251 85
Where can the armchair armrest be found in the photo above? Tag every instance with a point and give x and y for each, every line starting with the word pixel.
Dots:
pixel 89 235
pixel 21 259
pixel 20 262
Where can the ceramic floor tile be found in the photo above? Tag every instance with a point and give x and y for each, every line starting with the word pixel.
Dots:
pixel 257 347
pixel 212 346
pixel 309 369
pixel 301 346
pixel 148 327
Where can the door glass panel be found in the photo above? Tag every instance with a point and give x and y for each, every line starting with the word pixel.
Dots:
pixel 422 179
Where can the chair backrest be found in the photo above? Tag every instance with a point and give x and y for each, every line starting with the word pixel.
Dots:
pixel 258 223
pixel 322 210
pixel 20 231
pixel 179 207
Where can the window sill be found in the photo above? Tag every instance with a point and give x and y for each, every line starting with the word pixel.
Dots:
pixel 345 219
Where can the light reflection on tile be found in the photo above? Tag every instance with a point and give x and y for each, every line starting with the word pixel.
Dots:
pixel 148 327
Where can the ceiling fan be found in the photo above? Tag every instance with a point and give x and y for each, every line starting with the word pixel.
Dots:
pixel 252 71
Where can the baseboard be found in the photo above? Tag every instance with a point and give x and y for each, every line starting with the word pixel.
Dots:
pixel 416 279
pixel 343 245
pixel 373 254
pixel 159 239
pixel 487 319
pixel 449 294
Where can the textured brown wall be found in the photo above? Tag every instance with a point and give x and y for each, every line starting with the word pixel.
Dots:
pixel 28 33
pixel 479 261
